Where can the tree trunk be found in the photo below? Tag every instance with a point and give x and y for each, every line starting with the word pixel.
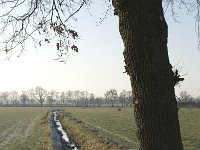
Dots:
pixel 144 32
pixel 41 102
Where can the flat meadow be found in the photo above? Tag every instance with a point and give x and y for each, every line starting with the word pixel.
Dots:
pixel 121 125
pixel 23 128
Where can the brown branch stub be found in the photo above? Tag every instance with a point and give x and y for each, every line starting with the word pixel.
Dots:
pixel 177 77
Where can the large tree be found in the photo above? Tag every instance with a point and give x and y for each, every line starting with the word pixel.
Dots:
pixel 144 33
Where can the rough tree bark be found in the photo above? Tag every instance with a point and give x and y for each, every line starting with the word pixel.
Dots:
pixel 144 32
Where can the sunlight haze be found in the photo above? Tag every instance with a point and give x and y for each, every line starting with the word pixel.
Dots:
pixel 99 65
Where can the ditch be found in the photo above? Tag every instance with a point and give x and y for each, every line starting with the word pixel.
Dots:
pixel 60 138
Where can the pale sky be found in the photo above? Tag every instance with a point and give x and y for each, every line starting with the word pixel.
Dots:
pixel 99 64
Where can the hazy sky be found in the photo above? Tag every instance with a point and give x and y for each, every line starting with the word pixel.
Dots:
pixel 99 64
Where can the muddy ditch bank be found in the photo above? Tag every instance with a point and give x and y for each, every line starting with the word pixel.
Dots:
pixel 60 138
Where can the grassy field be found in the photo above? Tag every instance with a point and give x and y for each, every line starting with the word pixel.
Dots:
pixel 27 128
pixel 190 128
pixel 121 125
pixel 23 129
pixel 118 125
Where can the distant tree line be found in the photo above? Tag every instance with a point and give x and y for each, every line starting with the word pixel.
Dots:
pixel 186 100
pixel 41 97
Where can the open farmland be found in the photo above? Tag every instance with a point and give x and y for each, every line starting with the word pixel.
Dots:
pixel 24 128
pixel 120 125
pixel 117 125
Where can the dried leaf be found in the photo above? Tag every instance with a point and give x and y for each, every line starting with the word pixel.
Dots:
pixel 58 46
pixel 47 40
pixel 74 48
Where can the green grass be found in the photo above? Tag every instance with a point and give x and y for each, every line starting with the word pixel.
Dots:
pixel 85 139
pixel 116 124
pixel 190 128
pixel 121 123
pixel 23 128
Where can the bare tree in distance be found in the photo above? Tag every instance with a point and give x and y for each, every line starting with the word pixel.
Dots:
pixel 123 97
pixel 98 101
pixel 13 96
pixel 112 96
pixel 4 96
pixel 69 97
pixel 144 32
pixel 40 94
pixel 91 99
pixel 30 94
pixel 86 97
pixel 24 99
pixel 51 97
pixel 62 98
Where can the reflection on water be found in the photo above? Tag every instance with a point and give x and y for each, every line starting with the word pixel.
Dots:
pixel 68 144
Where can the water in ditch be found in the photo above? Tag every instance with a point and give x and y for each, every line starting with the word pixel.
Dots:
pixel 61 141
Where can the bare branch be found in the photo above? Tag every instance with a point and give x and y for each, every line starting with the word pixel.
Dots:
pixel 192 7
pixel 39 21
